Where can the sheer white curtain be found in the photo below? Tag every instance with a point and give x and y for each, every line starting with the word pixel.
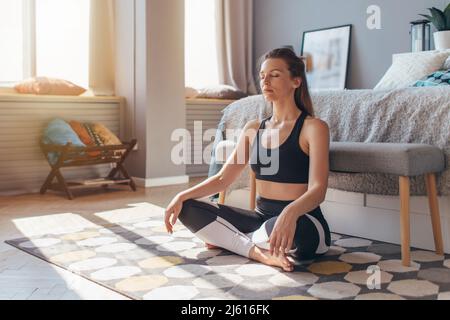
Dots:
pixel 12 39
pixel 101 47
pixel 61 39
pixel 201 65
pixel 234 27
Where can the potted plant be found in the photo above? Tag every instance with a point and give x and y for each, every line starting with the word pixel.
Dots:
pixel 441 21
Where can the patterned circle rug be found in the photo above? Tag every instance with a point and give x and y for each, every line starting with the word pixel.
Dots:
pixel 140 260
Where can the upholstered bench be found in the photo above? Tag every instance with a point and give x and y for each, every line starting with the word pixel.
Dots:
pixel 404 160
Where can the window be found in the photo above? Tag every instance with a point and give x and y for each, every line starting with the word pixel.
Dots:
pixel 201 64
pixel 11 35
pixel 44 38
pixel 62 39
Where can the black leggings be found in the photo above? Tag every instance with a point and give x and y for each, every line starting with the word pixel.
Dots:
pixel 238 230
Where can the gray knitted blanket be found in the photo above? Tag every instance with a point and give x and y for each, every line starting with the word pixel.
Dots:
pixel 410 115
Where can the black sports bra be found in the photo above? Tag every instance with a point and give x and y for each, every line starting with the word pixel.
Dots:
pixel 293 163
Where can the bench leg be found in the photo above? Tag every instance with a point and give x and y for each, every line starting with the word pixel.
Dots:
pixel 430 182
pixel 48 181
pixel 63 184
pixel 252 190
pixel 404 220
pixel 221 197
pixel 127 176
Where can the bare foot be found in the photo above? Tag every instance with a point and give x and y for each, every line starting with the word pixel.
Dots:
pixel 210 246
pixel 265 257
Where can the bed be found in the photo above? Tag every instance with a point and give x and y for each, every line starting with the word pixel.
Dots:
pixel 370 201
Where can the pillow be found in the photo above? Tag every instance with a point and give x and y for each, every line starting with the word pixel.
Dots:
pixel 407 68
pixel 220 92
pixel 447 63
pixel 94 136
pixel 190 93
pixel 82 133
pixel 438 78
pixel 105 135
pixel 60 132
pixel 84 136
pixel 49 86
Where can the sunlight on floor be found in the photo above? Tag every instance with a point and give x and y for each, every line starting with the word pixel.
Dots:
pixel 70 222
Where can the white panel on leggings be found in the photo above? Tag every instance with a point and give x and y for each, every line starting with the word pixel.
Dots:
pixel 322 247
pixel 260 237
pixel 223 234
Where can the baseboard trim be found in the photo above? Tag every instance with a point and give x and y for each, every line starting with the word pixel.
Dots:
pixel 160 182
pixel 18 192
pixel 140 182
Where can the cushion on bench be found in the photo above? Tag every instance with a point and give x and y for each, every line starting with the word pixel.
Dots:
pixel 403 159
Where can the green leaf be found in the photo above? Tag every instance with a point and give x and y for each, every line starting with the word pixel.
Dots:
pixel 439 19
pixel 447 16
pixel 426 16
pixel 447 9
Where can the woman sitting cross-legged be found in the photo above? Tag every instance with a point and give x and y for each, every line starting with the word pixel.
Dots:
pixel 288 153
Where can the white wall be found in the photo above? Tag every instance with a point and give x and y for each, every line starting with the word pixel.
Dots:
pixel 282 22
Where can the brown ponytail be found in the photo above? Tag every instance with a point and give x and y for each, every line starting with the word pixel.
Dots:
pixel 297 69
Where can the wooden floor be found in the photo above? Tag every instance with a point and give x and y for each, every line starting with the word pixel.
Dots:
pixel 23 276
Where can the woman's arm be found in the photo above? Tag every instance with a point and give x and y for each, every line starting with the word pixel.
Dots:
pixel 232 168
pixel 318 137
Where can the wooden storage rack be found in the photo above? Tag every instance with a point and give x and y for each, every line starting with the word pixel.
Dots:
pixel 71 156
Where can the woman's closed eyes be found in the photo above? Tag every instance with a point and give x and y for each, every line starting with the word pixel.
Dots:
pixel 262 77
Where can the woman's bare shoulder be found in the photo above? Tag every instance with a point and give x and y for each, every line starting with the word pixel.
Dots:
pixel 250 130
pixel 252 124
pixel 315 128
pixel 316 124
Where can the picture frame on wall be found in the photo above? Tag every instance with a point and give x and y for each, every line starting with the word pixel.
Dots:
pixel 326 53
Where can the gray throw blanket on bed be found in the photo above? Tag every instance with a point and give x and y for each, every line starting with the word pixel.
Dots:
pixel 410 115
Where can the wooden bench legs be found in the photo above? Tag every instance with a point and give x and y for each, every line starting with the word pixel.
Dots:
pixel 404 220
pixel 430 180
pixel 404 187
pixel 120 167
pixel 61 183
pixel 70 156
pixel 252 190
pixel 221 197
pixel 48 181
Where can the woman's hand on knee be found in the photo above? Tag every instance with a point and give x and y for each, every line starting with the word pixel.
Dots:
pixel 282 236
pixel 172 212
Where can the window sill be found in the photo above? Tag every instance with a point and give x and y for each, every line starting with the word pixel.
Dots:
pixel 12 95
pixel 7 90
pixel 208 101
